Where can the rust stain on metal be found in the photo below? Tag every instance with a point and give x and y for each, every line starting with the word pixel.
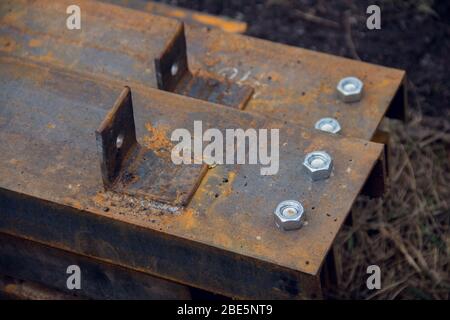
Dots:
pixel 228 26
pixel 189 16
pixel 158 140
pixel 34 43
pixel 228 182
pixel 7 45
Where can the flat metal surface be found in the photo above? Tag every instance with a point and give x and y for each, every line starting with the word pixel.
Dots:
pixel 291 84
pixel 224 241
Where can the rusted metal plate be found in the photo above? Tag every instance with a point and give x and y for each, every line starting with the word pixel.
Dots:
pixel 116 139
pixel 46 266
pixel 173 74
pixel 16 289
pixel 129 168
pixel 291 84
pixel 224 241
pixel 185 15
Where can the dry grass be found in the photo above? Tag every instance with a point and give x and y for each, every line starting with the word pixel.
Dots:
pixel 407 233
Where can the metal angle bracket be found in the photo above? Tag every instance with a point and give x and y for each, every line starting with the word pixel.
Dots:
pixel 173 74
pixel 116 138
pixel 129 168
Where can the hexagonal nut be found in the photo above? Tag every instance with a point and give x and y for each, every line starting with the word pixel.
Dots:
pixel 318 165
pixel 289 215
pixel 350 89
pixel 329 125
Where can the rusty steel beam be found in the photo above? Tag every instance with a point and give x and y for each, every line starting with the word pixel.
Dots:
pixel 44 266
pixel 184 15
pixel 224 240
pixel 17 289
pixel 290 84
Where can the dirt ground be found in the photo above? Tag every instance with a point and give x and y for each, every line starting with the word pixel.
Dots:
pixel 407 233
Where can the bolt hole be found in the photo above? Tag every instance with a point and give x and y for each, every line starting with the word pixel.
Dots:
pixel 312 208
pixel 306 262
pixel 174 69
pixel 216 195
pixel 119 141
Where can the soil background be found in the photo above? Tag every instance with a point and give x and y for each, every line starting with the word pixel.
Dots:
pixel 406 233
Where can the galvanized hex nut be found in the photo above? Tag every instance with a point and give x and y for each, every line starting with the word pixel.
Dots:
pixel 318 164
pixel 350 89
pixel 330 125
pixel 289 215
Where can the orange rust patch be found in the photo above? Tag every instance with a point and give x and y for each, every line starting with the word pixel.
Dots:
pixel 176 13
pixel 157 141
pixel 228 26
pixel 188 218
pixel 319 143
pixel 33 43
pixel 49 57
pixel 14 161
pixel 99 199
pixel 229 187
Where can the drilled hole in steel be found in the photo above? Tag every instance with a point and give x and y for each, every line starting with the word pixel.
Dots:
pixel 119 141
pixel 174 69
